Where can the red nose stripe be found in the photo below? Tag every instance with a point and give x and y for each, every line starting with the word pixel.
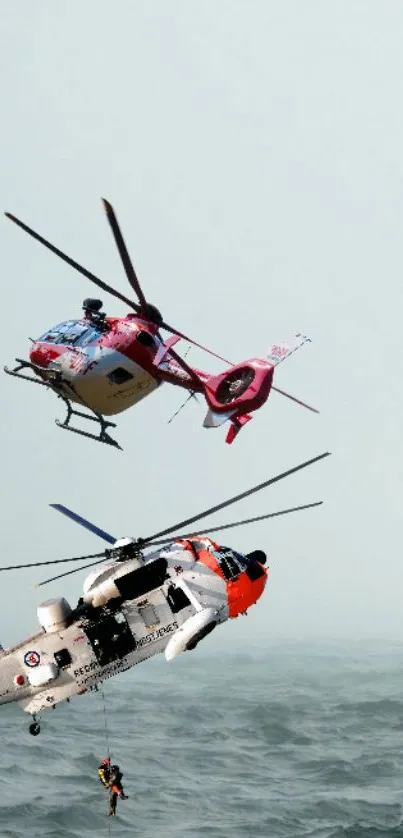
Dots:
pixel 243 593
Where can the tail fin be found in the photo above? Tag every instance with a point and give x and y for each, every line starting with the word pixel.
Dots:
pixel 278 352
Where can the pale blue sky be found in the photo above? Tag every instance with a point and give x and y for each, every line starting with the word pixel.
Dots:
pixel 253 153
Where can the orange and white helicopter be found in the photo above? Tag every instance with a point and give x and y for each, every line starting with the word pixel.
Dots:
pixel 107 364
pixel 135 606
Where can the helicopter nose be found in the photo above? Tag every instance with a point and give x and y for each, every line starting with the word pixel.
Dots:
pixel 39 355
pixel 257 556
pixel 249 586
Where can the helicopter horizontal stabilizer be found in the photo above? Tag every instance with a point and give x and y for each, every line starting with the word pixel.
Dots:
pixel 83 522
pixel 214 420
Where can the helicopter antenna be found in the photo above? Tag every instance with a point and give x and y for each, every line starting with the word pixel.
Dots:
pixel 192 395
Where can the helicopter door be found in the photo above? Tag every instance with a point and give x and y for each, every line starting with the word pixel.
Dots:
pixel 111 638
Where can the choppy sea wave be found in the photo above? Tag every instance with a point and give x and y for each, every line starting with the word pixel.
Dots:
pixel 286 742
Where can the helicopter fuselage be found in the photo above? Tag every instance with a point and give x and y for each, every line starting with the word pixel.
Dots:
pixel 131 610
pixel 124 359
pixel 108 369
pixel 108 364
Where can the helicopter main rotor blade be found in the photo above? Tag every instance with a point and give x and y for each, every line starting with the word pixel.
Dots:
pixel 237 523
pixel 99 282
pixel 133 278
pixel 83 522
pixel 124 253
pixel 105 555
pixel 171 329
pixel 163 541
pixel 68 573
pixel 53 561
pixel 294 399
pixel 226 503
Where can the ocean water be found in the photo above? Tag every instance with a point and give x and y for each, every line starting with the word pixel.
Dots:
pixel 291 740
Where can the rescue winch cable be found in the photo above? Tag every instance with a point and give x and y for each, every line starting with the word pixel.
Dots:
pixel 101 690
pixel 107 738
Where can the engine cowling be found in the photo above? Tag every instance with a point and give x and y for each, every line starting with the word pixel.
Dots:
pixel 191 632
pixel 99 586
pixel 54 615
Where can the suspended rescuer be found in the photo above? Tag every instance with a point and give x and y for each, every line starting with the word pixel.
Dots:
pixel 104 771
pixel 115 788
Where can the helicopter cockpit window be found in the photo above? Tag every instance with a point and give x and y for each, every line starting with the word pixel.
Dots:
pixel 231 562
pixel 90 334
pixel 54 334
pixel 72 333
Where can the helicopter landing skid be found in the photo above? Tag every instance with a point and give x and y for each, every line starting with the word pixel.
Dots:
pixel 97 417
pixel 54 384
pixel 21 365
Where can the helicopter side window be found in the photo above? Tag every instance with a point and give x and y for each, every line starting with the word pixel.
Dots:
pixel 231 563
pixel 177 599
pixel 119 376
pixel 142 580
pixel 111 638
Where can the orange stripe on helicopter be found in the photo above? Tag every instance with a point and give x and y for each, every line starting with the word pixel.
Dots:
pixel 242 592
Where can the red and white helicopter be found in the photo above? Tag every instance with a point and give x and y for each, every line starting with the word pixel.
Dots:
pixel 107 364
pixel 135 605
